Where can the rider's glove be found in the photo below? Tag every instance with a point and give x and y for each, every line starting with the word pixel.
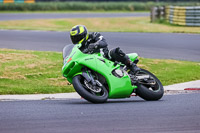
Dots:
pixel 93 46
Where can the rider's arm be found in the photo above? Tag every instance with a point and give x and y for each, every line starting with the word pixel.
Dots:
pixel 98 40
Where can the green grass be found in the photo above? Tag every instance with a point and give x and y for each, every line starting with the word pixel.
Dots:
pixel 96 11
pixel 172 71
pixel 89 6
pixel 127 24
pixel 34 72
pixel 31 72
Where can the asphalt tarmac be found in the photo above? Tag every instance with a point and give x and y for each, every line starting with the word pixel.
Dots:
pixel 172 114
pixel 149 45
pixel 22 16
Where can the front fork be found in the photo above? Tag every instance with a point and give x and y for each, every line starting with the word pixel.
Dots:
pixel 87 74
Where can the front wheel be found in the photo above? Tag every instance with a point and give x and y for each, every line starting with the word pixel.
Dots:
pixel 149 86
pixel 94 94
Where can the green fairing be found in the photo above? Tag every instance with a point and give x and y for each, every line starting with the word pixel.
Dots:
pixel 118 87
pixel 133 56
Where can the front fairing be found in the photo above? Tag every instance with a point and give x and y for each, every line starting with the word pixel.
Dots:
pixel 71 58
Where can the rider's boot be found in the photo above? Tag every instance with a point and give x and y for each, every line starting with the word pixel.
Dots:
pixel 133 67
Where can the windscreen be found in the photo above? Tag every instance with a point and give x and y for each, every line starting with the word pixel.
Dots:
pixel 67 50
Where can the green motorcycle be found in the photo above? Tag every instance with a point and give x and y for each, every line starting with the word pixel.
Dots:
pixel 97 79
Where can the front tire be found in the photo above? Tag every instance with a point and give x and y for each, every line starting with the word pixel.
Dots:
pixel 83 90
pixel 149 88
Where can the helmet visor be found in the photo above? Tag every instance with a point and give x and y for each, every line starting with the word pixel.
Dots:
pixel 77 38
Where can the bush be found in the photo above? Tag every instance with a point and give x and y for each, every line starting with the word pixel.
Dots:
pixel 88 6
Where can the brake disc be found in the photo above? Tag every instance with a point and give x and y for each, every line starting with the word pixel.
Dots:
pixel 95 89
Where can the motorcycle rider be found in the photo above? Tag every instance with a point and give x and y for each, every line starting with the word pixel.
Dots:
pixel 95 41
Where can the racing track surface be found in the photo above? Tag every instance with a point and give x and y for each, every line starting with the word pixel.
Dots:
pixel 149 45
pixel 172 114
pixel 21 16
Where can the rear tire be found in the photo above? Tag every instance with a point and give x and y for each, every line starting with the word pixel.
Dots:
pixel 149 92
pixel 87 94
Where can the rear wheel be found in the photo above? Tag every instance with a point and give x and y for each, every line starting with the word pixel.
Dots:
pixel 149 86
pixel 93 93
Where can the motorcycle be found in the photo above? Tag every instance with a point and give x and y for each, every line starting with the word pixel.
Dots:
pixel 97 79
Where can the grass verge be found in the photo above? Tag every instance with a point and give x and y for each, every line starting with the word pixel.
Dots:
pixel 96 11
pixel 89 6
pixel 127 24
pixel 31 72
pixel 34 72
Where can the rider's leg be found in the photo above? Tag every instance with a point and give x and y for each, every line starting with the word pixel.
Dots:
pixel 118 55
